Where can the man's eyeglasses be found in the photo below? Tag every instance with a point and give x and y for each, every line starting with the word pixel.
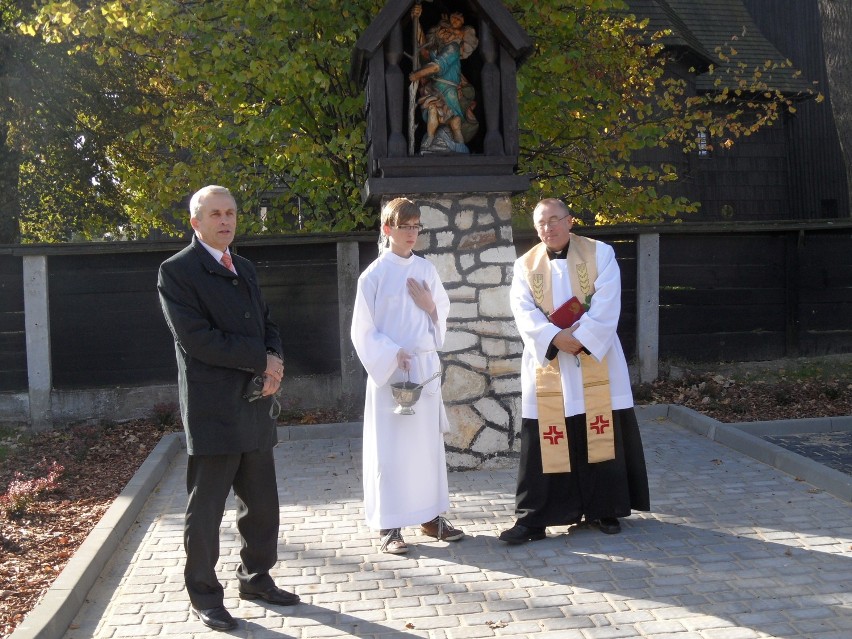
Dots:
pixel 410 227
pixel 550 223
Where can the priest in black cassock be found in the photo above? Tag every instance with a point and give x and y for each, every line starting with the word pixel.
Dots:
pixel 581 450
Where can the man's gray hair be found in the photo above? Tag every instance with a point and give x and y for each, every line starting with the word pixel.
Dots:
pixel 197 200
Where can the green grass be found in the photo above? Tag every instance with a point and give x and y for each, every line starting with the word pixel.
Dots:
pixel 790 370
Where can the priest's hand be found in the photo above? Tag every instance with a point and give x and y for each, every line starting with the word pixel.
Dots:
pixel 403 360
pixel 422 296
pixel 566 342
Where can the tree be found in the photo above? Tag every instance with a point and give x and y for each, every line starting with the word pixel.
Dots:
pixel 254 94
pixel 59 124
pixel 11 63
pixel 836 18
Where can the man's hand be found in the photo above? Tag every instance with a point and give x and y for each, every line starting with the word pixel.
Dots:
pixel 270 385
pixel 566 342
pixel 273 375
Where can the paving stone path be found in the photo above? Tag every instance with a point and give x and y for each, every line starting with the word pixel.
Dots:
pixel 733 549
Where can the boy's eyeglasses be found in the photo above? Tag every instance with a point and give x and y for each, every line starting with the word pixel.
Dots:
pixel 410 227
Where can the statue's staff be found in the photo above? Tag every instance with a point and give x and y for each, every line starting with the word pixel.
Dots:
pixel 415 65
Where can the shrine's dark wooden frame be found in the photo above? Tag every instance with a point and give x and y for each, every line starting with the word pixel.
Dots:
pixel 375 68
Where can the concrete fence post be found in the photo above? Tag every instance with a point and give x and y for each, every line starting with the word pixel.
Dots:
pixel 348 270
pixel 37 324
pixel 648 306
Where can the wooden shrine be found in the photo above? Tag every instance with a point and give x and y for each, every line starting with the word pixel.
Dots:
pixel 442 105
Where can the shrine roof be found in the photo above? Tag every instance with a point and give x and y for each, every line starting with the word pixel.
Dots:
pixel 506 31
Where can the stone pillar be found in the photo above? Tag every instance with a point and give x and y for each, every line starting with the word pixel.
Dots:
pixel 37 322
pixel 469 240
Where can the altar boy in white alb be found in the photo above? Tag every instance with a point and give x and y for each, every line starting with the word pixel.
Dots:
pixel 398 326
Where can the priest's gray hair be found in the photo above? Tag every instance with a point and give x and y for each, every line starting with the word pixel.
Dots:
pixel 552 201
pixel 197 200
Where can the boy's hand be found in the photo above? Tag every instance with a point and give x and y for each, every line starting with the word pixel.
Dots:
pixel 421 295
pixel 403 360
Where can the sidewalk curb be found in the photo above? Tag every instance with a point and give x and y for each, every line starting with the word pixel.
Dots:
pixel 62 601
pixel 745 437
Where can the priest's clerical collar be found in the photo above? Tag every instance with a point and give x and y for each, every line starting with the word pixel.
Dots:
pixel 558 255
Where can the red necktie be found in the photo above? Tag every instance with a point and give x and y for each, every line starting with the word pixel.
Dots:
pixel 227 262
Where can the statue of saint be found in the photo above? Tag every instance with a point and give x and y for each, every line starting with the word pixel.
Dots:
pixel 445 97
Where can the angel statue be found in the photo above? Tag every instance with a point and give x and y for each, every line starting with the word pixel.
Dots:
pixel 445 97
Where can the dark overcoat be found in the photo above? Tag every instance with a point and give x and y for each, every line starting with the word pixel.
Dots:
pixel 222 330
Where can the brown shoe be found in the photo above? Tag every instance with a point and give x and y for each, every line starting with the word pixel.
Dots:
pixel 392 542
pixel 441 529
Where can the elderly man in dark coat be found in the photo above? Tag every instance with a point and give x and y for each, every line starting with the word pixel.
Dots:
pixel 229 367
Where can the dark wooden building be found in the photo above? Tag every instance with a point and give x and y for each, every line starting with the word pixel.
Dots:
pixel 793 170
pixel 818 188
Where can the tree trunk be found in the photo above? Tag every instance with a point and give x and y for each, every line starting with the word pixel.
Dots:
pixel 9 157
pixel 836 16
pixel 10 206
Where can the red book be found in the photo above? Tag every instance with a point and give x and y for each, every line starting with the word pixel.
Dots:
pixel 568 313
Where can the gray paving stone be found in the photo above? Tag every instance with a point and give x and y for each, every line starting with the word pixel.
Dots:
pixel 610 632
pixel 651 628
pixel 730 633
pixel 733 549
pixel 470 632
pixel 137 630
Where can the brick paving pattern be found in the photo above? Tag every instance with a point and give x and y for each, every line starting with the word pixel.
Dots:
pixel 733 549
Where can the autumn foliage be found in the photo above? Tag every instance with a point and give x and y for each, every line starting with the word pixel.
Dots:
pixel 255 95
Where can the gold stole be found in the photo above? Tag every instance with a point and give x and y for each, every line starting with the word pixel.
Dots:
pixel 582 269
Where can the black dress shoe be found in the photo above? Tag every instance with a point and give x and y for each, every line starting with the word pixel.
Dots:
pixel 273 595
pixel 217 618
pixel 520 534
pixel 609 525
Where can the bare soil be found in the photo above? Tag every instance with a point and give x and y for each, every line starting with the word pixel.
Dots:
pixel 99 460
pixel 757 391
